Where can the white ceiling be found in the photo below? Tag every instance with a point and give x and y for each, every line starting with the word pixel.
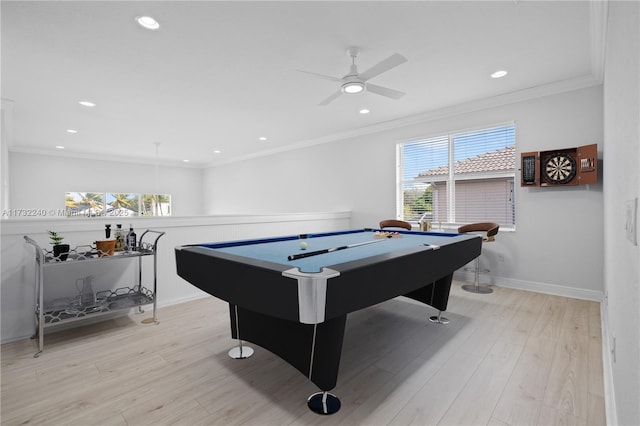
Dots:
pixel 218 75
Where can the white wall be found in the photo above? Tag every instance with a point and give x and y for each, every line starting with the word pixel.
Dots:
pixel 17 266
pixel 557 246
pixel 41 181
pixel 621 184
pixel 6 139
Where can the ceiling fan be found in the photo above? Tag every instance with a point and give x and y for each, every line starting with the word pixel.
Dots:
pixel 355 82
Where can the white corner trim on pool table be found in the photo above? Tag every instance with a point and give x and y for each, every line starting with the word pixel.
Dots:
pixel 312 293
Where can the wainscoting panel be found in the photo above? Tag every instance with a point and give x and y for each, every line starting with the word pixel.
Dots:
pixel 18 265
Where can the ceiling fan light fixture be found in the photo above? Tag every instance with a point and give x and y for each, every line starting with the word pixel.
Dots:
pixel 355 82
pixel 353 87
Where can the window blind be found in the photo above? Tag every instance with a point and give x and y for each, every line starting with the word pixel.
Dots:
pixel 459 178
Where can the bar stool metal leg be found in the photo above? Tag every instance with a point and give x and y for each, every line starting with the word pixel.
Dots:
pixel 476 287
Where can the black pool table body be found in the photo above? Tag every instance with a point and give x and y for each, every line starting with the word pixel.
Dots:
pixel 298 310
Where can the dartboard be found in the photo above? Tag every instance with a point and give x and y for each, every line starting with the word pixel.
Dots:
pixel 559 168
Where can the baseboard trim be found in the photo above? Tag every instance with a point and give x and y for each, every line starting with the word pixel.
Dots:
pixel 537 287
pixel 607 368
pixel 189 298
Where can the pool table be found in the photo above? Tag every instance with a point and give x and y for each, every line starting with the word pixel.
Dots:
pixel 298 308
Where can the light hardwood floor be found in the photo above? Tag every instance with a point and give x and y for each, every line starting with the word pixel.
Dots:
pixel 508 358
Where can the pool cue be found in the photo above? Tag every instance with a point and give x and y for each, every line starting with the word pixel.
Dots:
pixel 329 250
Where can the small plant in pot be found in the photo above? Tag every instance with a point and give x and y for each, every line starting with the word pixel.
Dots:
pixel 60 251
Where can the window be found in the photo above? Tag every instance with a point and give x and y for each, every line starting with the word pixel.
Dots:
pixel 84 204
pixel 122 204
pixel 94 204
pixel 460 178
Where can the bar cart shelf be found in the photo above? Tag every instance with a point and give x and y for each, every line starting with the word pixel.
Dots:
pixel 67 309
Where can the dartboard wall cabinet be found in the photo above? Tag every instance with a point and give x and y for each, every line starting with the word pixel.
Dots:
pixel 560 167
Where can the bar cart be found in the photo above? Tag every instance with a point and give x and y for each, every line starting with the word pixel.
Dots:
pixel 87 304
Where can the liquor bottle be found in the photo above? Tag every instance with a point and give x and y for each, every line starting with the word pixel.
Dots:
pixel 107 232
pixel 131 239
pixel 119 237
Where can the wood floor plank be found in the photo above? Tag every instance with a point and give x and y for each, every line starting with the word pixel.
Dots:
pixel 549 322
pixel 568 380
pixel 523 394
pixel 431 402
pixel 576 316
pixel 496 422
pixel 595 384
pixel 552 417
pixel 519 328
pixel 508 358
pixel 476 401
pixel 390 398
pixel 595 324
pixel 596 415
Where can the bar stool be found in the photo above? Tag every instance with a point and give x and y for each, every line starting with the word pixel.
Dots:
pixel 491 229
pixel 393 223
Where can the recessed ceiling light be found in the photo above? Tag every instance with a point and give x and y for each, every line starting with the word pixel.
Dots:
pixel 217 151
pixel 262 138
pixel 499 74
pixel 186 161
pixel 72 131
pixel 87 103
pixel 364 111
pixel 59 147
pixel 147 22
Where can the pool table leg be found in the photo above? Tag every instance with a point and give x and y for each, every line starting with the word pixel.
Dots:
pixel 313 349
pixel 240 351
pixel 439 319
pixel 435 294
pixel 323 403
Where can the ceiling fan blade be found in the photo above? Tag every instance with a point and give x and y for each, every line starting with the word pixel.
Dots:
pixel 325 77
pixel 331 98
pixel 384 91
pixel 391 62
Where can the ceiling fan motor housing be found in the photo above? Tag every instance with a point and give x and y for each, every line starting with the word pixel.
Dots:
pixel 352 85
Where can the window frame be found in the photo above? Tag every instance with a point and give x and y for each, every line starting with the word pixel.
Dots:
pixel 103 206
pixel 450 182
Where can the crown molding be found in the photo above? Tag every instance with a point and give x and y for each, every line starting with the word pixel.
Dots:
pixel 599 15
pixel 102 157
pixel 540 91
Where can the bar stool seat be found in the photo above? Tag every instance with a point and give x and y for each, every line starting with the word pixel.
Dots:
pixel 491 230
pixel 393 223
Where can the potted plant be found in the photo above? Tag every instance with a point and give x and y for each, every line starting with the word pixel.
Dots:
pixel 60 251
